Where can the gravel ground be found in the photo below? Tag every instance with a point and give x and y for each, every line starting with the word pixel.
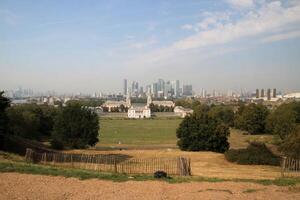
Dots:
pixel 24 186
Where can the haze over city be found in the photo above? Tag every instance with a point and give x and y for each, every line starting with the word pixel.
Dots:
pixel 88 46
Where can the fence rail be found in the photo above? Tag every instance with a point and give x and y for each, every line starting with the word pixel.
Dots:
pixel 113 163
pixel 290 167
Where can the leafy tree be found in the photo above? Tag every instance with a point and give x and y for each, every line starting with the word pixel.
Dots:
pixel 4 103
pixel 223 113
pixel 282 121
pixel 31 121
pixel 252 118
pixel 201 132
pixel 75 127
pixel 291 145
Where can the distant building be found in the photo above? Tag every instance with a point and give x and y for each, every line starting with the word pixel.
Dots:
pixel 269 94
pixel 115 104
pixel 262 93
pixel 257 93
pixel 182 112
pixel 140 112
pixel 274 93
pixel 187 90
pixel 125 87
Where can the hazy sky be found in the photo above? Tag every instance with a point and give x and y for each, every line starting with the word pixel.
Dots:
pixel 87 46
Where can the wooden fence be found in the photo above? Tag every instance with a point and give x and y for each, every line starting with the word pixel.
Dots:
pixel 290 167
pixel 116 163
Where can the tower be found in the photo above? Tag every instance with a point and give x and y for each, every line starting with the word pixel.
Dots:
pixel 149 100
pixel 128 101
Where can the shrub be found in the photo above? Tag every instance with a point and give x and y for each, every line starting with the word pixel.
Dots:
pixel 255 154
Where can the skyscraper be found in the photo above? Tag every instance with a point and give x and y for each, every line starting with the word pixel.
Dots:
pixel 274 94
pixel 125 87
pixel 176 91
pixel 269 94
pixel 187 90
pixel 262 93
pixel 257 93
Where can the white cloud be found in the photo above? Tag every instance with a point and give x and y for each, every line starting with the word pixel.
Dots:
pixel 241 3
pixel 282 36
pixel 187 27
pixel 140 45
pixel 271 18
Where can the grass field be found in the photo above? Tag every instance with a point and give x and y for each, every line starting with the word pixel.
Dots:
pixel 160 132
pixel 157 133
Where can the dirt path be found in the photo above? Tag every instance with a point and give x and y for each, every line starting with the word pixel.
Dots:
pixel 24 186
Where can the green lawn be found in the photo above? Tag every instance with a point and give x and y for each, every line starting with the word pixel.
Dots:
pixel 138 132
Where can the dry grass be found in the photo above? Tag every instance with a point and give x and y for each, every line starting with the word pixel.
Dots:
pixel 208 164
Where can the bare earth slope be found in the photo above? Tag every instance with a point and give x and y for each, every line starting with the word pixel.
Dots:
pixel 24 186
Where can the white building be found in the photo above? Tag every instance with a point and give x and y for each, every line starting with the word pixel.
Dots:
pixel 182 112
pixel 140 112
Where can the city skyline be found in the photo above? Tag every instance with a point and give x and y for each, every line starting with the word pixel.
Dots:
pixel 91 46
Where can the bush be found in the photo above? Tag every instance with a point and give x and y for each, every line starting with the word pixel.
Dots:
pixel 201 132
pixel 255 154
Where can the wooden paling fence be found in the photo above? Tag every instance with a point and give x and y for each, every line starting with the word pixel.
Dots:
pixel 116 163
pixel 290 167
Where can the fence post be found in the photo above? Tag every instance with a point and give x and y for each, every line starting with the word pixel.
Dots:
pixel 29 155
pixel 283 166
pixel 115 164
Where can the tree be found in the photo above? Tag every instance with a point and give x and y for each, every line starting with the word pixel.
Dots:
pixel 200 132
pixel 291 145
pixel 282 121
pixel 4 104
pixel 252 118
pixel 223 113
pixel 75 127
pixel 31 121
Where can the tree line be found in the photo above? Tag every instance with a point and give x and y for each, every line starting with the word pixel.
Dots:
pixel 72 126
pixel 208 127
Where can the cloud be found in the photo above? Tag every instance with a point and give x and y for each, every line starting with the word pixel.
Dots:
pixel 281 36
pixel 140 45
pixel 271 18
pixel 267 19
pixel 187 27
pixel 241 3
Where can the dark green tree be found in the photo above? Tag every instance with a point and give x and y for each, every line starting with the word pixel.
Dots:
pixel 31 121
pixel 223 113
pixel 4 104
pixel 291 145
pixel 282 121
pixel 201 132
pixel 75 127
pixel 252 118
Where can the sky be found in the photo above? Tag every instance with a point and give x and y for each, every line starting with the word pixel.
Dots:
pixel 92 45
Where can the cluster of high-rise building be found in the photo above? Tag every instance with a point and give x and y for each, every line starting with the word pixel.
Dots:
pixel 269 94
pixel 159 89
